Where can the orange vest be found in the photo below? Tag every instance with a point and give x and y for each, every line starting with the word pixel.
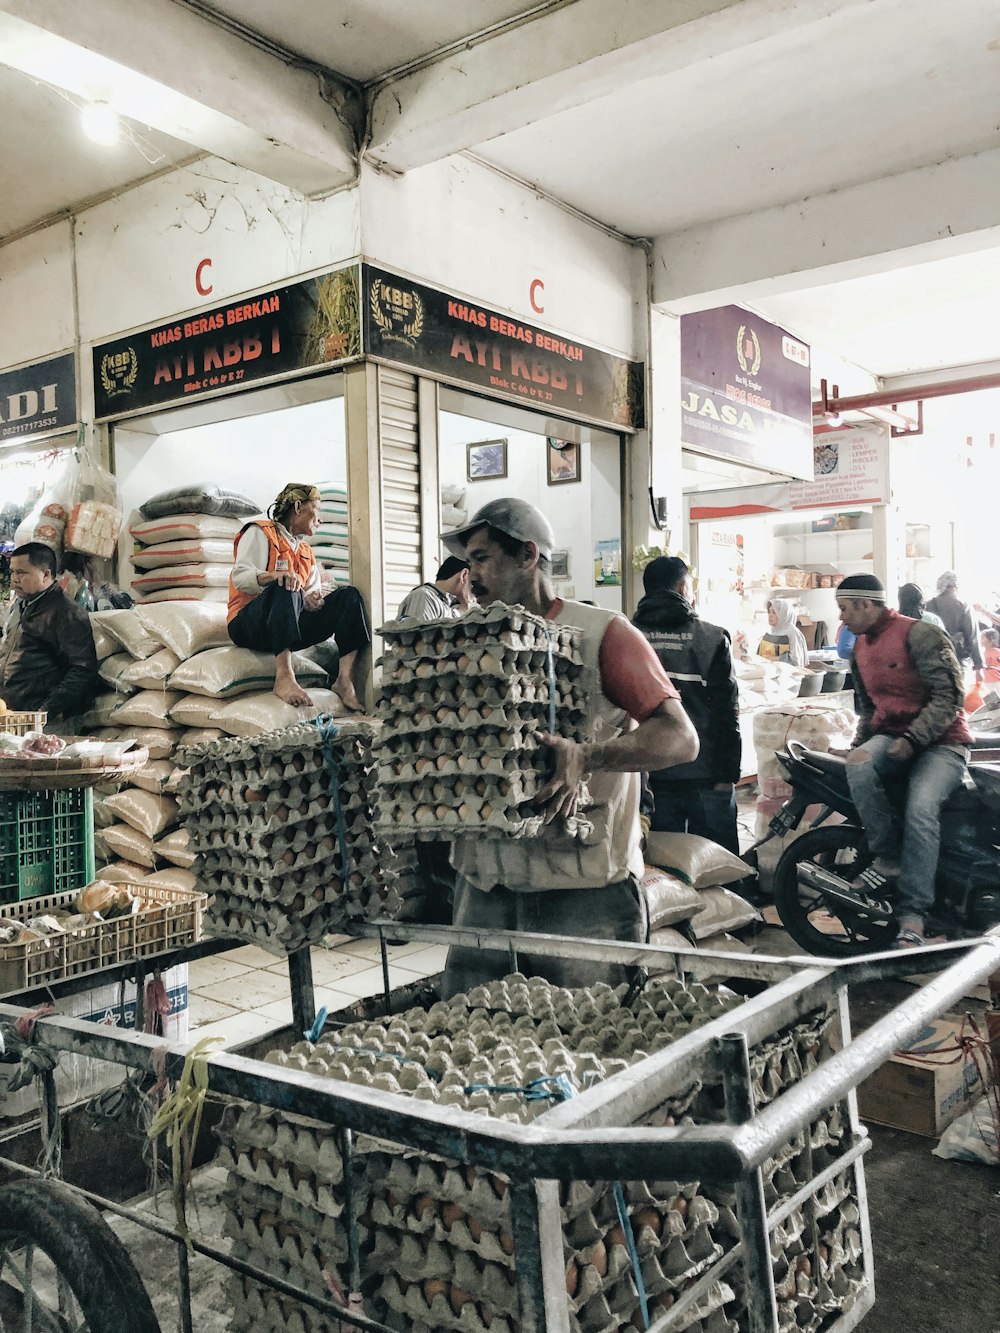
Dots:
pixel 294 560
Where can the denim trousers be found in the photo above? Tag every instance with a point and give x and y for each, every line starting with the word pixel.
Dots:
pixel 696 807
pixel 910 832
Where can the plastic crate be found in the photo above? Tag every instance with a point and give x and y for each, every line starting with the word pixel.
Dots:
pixel 169 919
pixel 19 724
pixel 46 842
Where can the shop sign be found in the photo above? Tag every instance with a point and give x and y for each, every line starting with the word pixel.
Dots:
pixel 850 467
pixel 745 391
pixel 444 335
pixel 38 399
pixel 299 327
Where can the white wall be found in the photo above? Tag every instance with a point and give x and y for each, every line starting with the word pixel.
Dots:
pixel 36 295
pixel 581 513
pixel 458 225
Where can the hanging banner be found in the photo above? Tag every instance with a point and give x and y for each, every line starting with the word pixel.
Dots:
pixel 745 391
pixel 39 399
pixel 850 467
pixel 299 327
pixel 430 331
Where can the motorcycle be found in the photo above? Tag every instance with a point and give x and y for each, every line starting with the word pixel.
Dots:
pixel 813 887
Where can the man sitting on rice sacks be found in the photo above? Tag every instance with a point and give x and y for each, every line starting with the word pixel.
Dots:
pixel 276 603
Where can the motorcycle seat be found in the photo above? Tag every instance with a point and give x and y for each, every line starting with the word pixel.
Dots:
pixel 826 763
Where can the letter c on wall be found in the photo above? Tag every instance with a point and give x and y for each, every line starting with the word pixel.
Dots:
pixel 204 289
pixel 537 287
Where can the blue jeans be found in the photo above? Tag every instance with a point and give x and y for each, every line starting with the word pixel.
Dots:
pixel 930 779
pixel 696 807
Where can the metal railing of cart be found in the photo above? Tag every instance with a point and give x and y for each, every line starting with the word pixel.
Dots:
pixel 594 1136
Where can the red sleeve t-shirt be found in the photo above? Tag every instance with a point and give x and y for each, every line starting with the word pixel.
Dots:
pixel 631 674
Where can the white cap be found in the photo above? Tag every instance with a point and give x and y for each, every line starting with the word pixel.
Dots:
pixel 516 518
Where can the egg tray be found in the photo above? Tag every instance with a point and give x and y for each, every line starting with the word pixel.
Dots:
pixel 511 626
pixel 454 1221
pixel 444 688
pixel 493 664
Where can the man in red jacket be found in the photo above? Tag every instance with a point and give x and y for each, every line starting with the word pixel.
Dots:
pixel 909 691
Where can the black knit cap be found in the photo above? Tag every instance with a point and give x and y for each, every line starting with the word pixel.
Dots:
pixel 861 588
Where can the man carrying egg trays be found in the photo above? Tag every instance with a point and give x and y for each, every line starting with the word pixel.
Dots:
pixel 463 703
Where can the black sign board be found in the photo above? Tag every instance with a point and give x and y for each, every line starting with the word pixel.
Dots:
pixel 39 399
pixel 444 335
pixel 305 325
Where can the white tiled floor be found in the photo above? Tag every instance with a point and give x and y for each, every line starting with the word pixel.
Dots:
pixel 245 993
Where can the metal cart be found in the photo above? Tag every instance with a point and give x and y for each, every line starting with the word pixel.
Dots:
pixel 599 1135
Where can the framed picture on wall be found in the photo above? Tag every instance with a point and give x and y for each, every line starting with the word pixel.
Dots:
pixel 560 564
pixel 486 459
pixel 562 461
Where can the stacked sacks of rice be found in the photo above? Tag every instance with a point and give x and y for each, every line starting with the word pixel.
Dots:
pixel 184 543
pixel 453 513
pixel 330 541
pixel 437 1241
pixel 689 895
pixel 464 702
pixel 283 825
pixel 176 679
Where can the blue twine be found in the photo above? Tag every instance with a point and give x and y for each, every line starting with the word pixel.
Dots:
pixel 327 729
pixel 316 1030
pixel 633 1253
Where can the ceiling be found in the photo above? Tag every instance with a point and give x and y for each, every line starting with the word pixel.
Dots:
pixel 655 120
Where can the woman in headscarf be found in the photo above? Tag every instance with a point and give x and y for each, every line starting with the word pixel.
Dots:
pixel 956 618
pixel 276 601
pixel 784 639
pixel 911 603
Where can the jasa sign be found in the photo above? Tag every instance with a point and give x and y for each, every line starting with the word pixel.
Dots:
pixel 39 399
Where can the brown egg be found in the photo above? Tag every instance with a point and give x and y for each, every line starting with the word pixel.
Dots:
pixel 499 1186
pixel 804 1265
pixel 424 1204
pixel 506 1240
pixel 597 1257
pixel 458 1298
pixel 679 1205
pixel 471 1175
pixel 616 1236
pixel 649 1217
pixel 572 1278
pixel 486 1315
pixel 475 1228
pixel 450 1214
pixel 251 794
pixel 663 1301
pixel 434 1286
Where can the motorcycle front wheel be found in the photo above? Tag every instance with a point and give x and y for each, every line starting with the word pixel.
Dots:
pixel 820 923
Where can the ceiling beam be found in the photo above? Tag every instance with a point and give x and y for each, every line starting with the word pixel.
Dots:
pixel 949 208
pixel 562 59
pixel 162 65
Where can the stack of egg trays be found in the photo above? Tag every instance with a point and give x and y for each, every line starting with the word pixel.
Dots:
pixel 262 818
pixel 437 1240
pixel 464 701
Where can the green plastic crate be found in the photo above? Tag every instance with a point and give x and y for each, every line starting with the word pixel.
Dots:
pixel 46 842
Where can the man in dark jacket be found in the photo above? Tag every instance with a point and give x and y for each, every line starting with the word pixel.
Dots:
pixel 957 619
pixel 47 657
pixel 698 797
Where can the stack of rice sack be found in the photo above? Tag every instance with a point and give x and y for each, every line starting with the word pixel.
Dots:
pixel 174 678
pixel 463 702
pixel 330 541
pixel 453 513
pixel 690 898
pixel 816 723
pixel 184 543
pixel 437 1243
pixel 283 827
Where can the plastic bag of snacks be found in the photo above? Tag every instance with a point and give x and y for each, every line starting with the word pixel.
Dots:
pixel 95 515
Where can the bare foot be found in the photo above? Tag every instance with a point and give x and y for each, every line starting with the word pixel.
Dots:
pixel 289 689
pixel 348 696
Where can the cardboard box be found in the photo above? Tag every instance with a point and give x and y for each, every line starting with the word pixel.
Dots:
pixel 918 1090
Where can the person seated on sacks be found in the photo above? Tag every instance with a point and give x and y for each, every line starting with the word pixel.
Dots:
pixel 276 602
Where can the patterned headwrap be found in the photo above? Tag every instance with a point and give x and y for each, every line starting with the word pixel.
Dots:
pixel 861 588
pixel 288 495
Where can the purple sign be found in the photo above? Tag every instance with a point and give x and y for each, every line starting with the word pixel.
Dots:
pixel 745 391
